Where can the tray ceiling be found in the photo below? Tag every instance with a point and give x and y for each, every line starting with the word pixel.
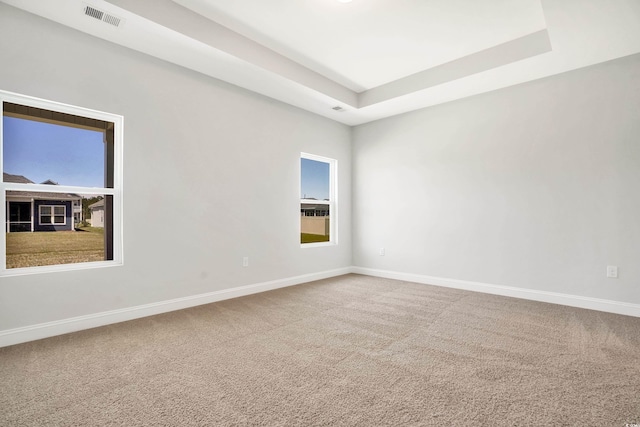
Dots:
pixel 371 58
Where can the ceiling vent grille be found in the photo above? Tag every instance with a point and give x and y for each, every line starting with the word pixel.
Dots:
pixel 110 19
pixel 94 13
pixel 102 16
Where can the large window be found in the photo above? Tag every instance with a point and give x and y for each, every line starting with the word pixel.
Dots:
pixel 58 163
pixel 318 210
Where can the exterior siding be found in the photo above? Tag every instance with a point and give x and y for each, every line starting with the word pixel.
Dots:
pixel 97 216
pixel 51 227
pixel 315 225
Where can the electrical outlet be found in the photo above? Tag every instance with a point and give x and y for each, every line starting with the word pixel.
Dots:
pixel 382 252
pixel 612 271
pixel 245 261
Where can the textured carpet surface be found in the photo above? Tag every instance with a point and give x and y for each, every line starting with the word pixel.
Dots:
pixel 352 351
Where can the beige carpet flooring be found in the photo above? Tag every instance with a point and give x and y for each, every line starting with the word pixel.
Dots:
pixel 349 351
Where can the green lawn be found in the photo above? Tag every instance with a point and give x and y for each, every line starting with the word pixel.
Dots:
pixel 313 238
pixel 55 247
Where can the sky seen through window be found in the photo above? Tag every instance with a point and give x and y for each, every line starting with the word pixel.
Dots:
pixel 314 179
pixel 43 151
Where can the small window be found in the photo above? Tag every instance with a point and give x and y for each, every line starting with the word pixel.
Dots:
pixel 60 165
pixel 53 214
pixel 318 211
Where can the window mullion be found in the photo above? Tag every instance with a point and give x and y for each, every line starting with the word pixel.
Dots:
pixel 44 188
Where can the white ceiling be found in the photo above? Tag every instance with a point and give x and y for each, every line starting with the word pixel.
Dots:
pixel 366 43
pixel 374 58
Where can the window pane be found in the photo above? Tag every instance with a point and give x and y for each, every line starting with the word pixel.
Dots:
pixel 41 152
pixel 315 182
pixel 314 227
pixel 66 229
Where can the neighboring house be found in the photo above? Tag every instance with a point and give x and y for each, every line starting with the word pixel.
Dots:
pixel 97 213
pixel 40 211
pixel 314 218
pixel 313 209
pixel 77 204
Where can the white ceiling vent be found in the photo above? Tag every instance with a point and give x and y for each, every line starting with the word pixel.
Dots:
pixel 102 16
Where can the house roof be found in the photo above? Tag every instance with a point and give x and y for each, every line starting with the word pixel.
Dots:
pixel 7 177
pixel 39 195
pixel 97 204
pixel 309 206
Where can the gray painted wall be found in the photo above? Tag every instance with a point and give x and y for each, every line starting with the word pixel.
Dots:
pixel 535 186
pixel 211 176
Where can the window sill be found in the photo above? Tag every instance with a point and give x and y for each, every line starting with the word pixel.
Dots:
pixel 56 268
pixel 317 244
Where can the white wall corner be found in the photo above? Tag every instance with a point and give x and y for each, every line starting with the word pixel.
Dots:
pixel 74 324
pixel 597 304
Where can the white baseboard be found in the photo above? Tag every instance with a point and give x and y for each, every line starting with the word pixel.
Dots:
pixel 59 327
pixel 64 326
pixel 509 291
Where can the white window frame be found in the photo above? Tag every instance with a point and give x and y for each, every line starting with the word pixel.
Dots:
pixel 52 215
pixel 116 191
pixel 332 202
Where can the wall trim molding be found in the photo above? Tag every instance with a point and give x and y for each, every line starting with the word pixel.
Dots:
pixel 590 303
pixel 74 324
